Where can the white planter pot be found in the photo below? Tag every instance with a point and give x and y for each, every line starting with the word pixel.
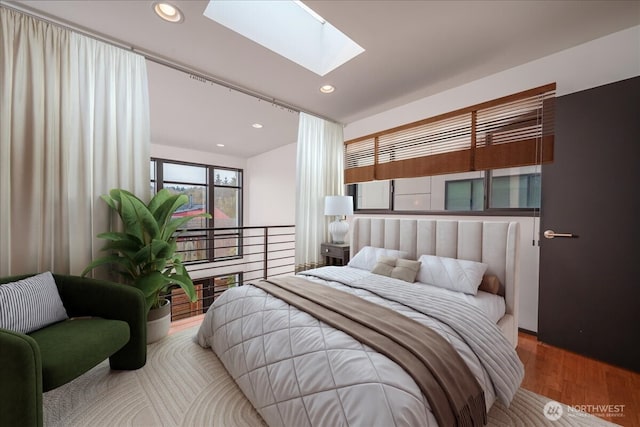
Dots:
pixel 158 322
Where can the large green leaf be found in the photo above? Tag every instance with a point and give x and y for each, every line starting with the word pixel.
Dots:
pixel 115 194
pixel 152 283
pixel 120 192
pixel 175 223
pixel 157 200
pixel 110 259
pixel 162 249
pixel 126 248
pixel 151 301
pixel 173 247
pixel 137 219
pixel 116 236
pixel 110 201
pixel 179 267
pixel 169 207
pixel 186 284
pixel 152 251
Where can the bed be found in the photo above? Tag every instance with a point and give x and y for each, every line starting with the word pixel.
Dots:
pixel 494 243
pixel 298 367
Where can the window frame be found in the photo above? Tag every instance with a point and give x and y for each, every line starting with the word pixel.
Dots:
pixel 472 182
pixel 158 184
pixel 486 210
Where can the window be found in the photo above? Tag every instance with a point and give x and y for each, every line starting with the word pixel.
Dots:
pixel 513 189
pixel 464 195
pixel 227 200
pixel 482 158
pixel 373 195
pixel 319 46
pixel 212 189
pixel 509 191
pixel 512 131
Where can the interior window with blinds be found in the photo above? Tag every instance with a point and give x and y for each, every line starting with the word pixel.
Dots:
pixel 482 157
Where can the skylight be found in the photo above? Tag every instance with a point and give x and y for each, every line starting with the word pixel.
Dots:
pixel 288 28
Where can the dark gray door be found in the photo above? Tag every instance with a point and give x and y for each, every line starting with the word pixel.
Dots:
pixel 590 283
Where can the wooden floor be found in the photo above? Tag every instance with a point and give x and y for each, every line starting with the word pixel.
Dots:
pixel 182 324
pixel 578 380
pixel 563 376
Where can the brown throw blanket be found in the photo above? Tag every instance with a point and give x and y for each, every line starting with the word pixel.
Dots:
pixel 454 394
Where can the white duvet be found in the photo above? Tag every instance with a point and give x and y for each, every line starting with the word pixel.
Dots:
pixel 298 371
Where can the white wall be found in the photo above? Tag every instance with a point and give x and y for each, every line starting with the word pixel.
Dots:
pixel 269 190
pixel 269 180
pixel 270 187
pixel 606 60
pixel 194 156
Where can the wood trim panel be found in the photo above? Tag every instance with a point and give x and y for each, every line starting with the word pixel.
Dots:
pixel 466 110
pixel 360 174
pixel 522 153
pixel 438 164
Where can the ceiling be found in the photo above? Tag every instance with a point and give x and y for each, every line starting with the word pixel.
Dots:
pixel 413 49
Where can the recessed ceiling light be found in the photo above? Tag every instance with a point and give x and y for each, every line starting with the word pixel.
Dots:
pixel 257 125
pixel 219 145
pixel 327 89
pixel 168 12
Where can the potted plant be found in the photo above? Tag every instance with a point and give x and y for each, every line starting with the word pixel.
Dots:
pixel 144 253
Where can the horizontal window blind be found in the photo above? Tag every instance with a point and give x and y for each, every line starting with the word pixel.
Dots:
pixel 515 133
pixel 359 160
pixel 426 149
pixel 516 130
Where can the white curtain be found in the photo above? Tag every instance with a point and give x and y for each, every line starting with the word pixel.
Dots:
pixel 74 123
pixel 319 173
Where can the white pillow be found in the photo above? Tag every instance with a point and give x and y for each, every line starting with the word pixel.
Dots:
pixel 450 273
pixel 368 256
pixel 30 304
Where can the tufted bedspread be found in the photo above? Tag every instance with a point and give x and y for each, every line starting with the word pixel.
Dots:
pixel 298 371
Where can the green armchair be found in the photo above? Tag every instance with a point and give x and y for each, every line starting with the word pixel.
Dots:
pixel 106 320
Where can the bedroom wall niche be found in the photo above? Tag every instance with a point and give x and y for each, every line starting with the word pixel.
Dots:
pixel 605 60
pixel 589 289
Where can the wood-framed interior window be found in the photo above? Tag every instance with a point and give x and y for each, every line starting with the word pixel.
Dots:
pixel 512 131
pixel 483 158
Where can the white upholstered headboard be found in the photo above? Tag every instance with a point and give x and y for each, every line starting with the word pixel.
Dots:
pixel 493 243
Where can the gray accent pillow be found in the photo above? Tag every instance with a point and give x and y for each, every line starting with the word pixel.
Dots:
pixel 384 266
pixel 30 304
pixel 406 270
pixel 397 268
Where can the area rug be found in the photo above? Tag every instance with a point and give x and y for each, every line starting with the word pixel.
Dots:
pixel 183 384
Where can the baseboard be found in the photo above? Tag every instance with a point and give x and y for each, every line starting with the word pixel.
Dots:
pixel 528 332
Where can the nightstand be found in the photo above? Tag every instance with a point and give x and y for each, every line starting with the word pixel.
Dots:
pixel 335 253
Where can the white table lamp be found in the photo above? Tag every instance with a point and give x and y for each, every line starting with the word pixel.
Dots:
pixel 338 206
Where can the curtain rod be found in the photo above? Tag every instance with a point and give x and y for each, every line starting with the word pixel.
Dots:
pixel 158 59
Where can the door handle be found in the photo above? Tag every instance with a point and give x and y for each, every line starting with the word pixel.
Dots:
pixel 550 234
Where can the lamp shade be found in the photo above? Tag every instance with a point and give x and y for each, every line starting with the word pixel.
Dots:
pixel 338 205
